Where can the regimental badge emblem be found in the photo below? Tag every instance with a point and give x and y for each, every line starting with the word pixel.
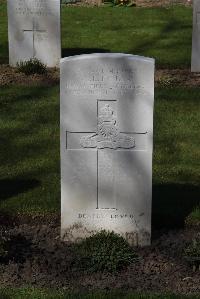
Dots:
pixel 108 134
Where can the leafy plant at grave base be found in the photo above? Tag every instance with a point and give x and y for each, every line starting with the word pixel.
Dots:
pixel 69 1
pixel 32 66
pixel 192 253
pixel 127 3
pixel 193 250
pixel 167 81
pixel 3 251
pixel 193 219
pixel 104 251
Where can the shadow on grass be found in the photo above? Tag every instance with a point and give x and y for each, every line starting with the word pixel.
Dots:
pixel 4 296
pixel 172 203
pixel 18 249
pixel 152 43
pixel 78 51
pixel 12 187
pixel 4 58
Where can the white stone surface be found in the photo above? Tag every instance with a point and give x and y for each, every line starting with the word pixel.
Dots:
pixel 34 31
pixel 106 145
pixel 195 65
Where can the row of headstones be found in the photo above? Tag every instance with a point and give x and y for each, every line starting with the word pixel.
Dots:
pixel 34 31
pixel 106 127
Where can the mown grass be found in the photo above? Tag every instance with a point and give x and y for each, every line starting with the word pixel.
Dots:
pixel 33 293
pixel 176 167
pixel 3 33
pixel 30 160
pixel 162 33
pixel 29 152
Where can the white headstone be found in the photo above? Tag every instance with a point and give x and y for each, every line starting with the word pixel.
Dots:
pixel 106 145
pixel 195 65
pixel 34 31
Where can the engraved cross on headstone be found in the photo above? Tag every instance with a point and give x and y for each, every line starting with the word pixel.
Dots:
pixel 34 30
pixel 106 140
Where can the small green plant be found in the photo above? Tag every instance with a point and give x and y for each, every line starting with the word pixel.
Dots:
pixel 167 81
pixel 119 2
pixel 193 219
pixel 104 251
pixel 193 250
pixel 32 66
pixel 3 251
pixel 124 3
pixel 69 1
pixel 192 253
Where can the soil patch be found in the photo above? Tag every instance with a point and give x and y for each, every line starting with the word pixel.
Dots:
pixel 38 257
pixel 142 3
pixel 163 77
pixel 10 76
pixel 138 3
pixel 177 77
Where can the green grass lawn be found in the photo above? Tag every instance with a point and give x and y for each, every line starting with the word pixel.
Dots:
pixel 29 153
pixel 162 33
pixel 32 293
pixel 176 167
pixel 3 34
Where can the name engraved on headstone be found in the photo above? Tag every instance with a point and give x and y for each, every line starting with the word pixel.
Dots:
pixel 33 8
pixel 106 81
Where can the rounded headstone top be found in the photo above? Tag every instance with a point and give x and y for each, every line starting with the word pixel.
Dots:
pixel 108 55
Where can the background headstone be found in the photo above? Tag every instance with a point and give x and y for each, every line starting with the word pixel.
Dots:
pixel 34 31
pixel 106 145
pixel 195 65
